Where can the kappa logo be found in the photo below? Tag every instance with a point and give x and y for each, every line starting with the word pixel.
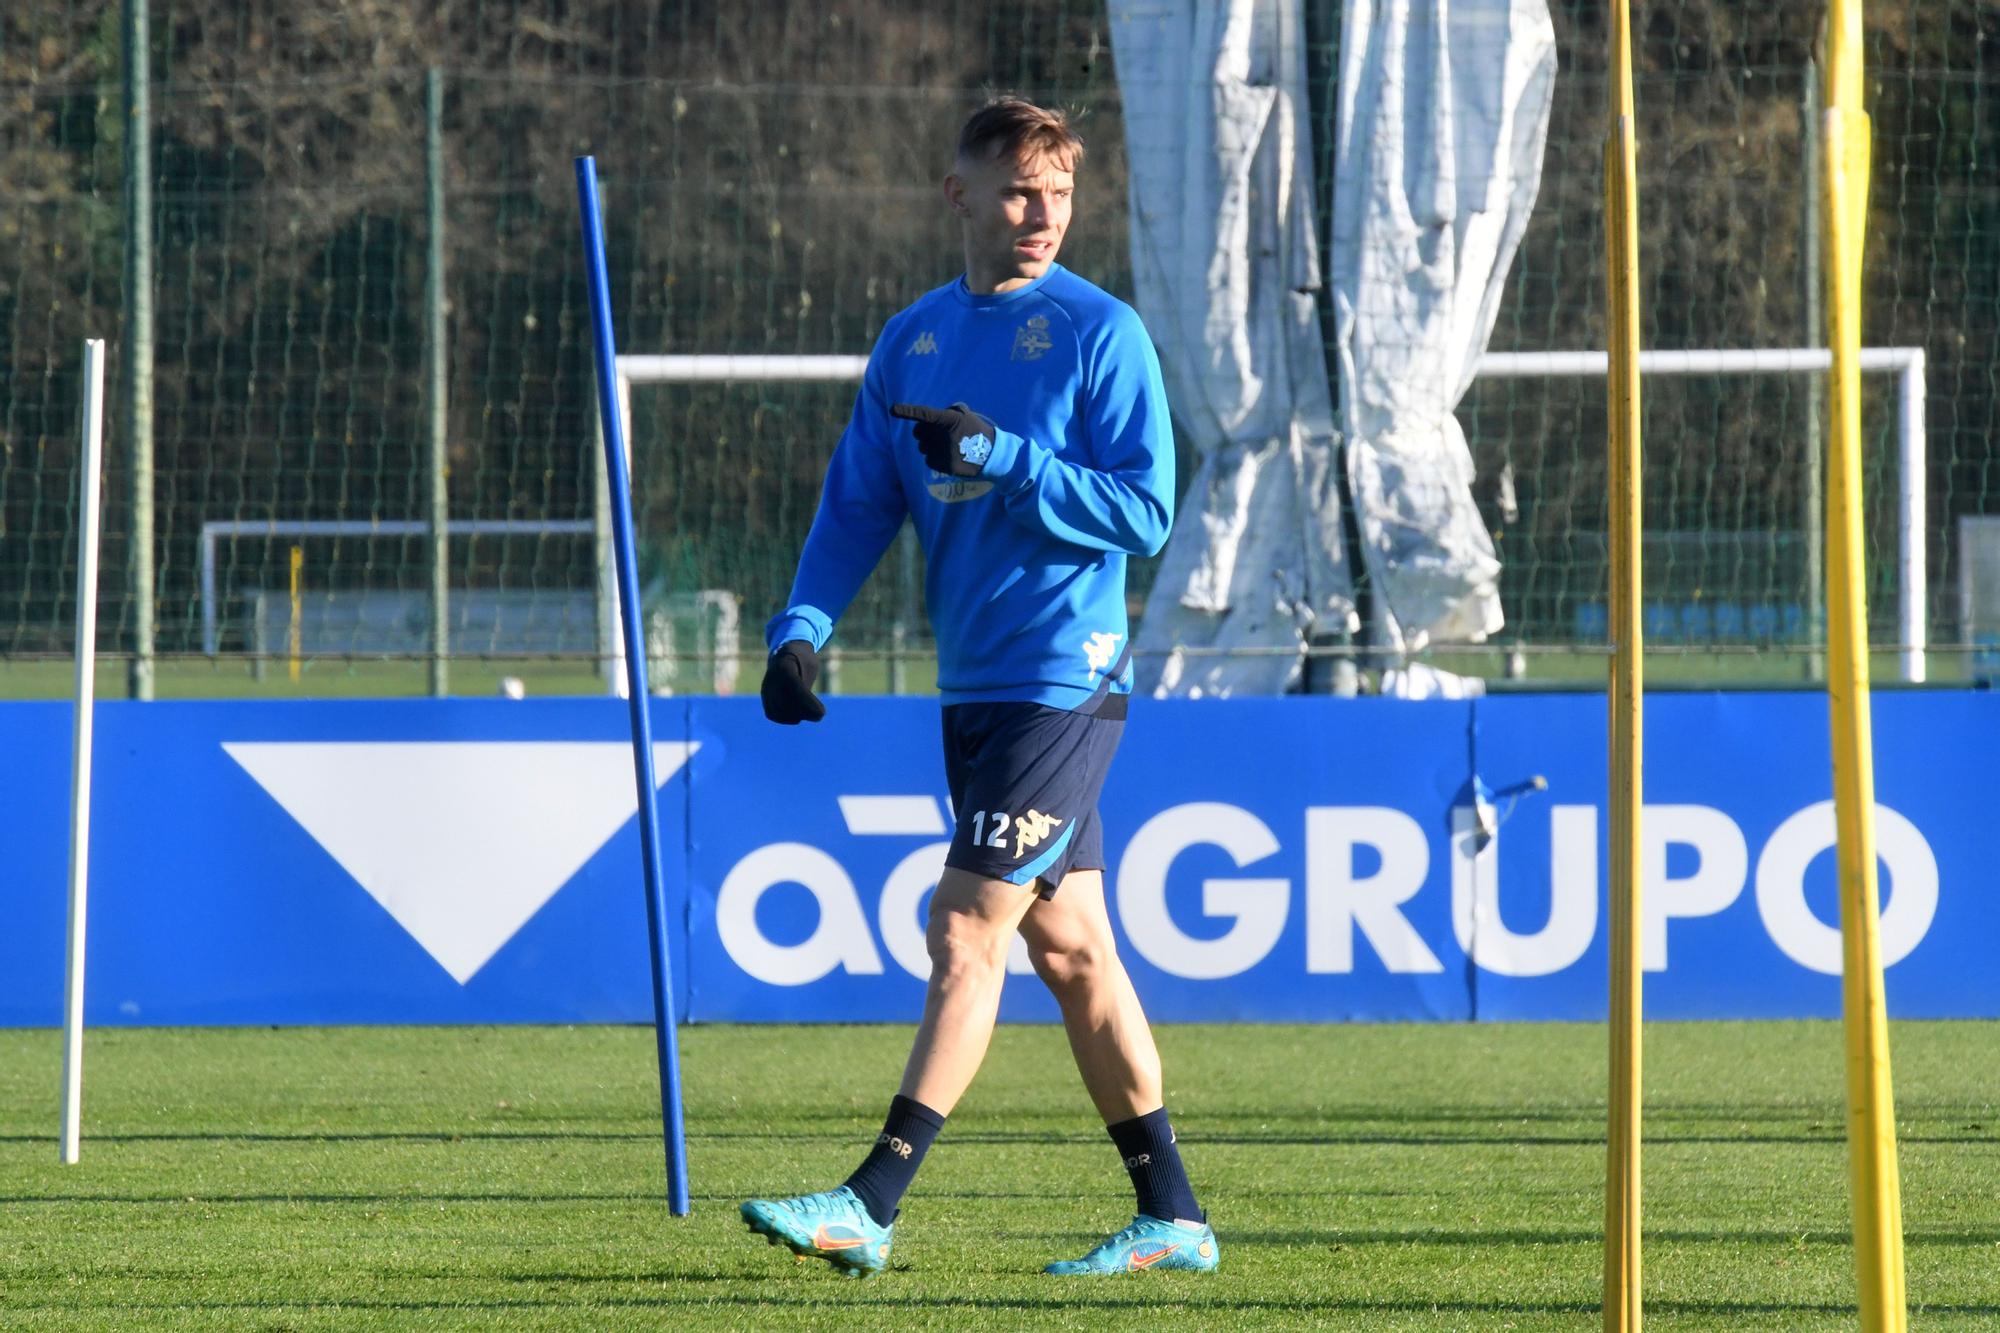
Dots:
pixel 1030 829
pixel 1100 651
pixel 1031 340
pixel 925 345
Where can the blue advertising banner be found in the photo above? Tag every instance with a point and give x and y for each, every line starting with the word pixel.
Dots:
pixel 1297 859
pixel 408 861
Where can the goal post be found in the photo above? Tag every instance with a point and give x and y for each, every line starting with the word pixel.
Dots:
pixel 1906 363
pixel 218 530
pixel 692 369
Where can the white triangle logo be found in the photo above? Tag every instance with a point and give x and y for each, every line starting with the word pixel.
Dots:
pixel 460 841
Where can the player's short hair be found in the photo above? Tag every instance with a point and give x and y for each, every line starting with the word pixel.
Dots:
pixel 1015 127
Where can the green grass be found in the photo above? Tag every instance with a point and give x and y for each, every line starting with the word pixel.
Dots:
pixel 233 677
pixel 370 678
pixel 1416 1177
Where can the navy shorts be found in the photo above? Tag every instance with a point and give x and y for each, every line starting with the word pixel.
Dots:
pixel 1024 782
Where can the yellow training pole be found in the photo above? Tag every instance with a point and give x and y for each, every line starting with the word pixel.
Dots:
pixel 295 639
pixel 1871 1110
pixel 1622 1303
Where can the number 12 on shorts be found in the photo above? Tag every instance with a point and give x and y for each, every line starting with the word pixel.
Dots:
pixel 1000 819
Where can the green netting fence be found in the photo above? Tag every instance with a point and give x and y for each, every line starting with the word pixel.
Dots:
pixel 770 183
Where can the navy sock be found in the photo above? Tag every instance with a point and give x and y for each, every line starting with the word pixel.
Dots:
pixel 1147 1145
pixel 892 1163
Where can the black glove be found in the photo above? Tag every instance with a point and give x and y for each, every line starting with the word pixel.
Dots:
pixel 788 684
pixel 955 439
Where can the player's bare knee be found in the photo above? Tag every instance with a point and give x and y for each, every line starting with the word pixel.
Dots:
pixel 963 945
pixel 1073 968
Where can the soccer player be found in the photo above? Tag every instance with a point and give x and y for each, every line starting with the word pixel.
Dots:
pixel 1017 417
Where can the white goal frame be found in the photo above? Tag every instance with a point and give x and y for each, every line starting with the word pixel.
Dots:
pixel 644 369
pixel 1907 363
pixel 216 529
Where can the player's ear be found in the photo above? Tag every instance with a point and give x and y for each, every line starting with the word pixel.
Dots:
pixel 954 194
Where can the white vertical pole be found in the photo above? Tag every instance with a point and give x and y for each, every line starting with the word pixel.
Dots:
pixel 90 469
pixel 610 630
pixel 1916 484
pixel 605 559
pixel 211 639
pixel 614 638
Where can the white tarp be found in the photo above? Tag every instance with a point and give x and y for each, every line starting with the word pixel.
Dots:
pixel 1216 128
pixel 1225 266
pixel 1444 109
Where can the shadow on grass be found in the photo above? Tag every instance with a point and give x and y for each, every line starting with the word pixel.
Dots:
pixel 1317 1238
pixel 369 1136
pixel 1154 1295
pixel 1332 1137
pixel 1582 1236
pixel 212 1200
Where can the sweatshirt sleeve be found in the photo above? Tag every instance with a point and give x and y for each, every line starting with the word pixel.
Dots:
pixel 1124 501
pixel 861 508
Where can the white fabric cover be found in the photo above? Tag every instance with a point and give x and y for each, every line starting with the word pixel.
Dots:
pixel 1444 110
pixel 1225 268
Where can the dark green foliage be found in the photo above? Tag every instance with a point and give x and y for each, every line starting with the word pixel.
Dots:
pixel 770 181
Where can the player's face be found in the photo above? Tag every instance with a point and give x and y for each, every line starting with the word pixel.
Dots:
pixel 1014 213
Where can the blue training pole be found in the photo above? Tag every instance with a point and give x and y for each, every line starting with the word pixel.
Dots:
pixel 635 677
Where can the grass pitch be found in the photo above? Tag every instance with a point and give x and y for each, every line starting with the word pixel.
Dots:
pixel 1358 1177
pixel 1559 668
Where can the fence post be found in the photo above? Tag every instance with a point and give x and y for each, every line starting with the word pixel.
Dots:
pixel 1812 513
pixel 137 375
pixel 439 387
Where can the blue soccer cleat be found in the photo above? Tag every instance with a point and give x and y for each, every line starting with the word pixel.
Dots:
pixel 834 1226
pixel 1148 1243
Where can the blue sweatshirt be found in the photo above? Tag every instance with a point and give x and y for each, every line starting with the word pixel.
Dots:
pixel 1026 562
